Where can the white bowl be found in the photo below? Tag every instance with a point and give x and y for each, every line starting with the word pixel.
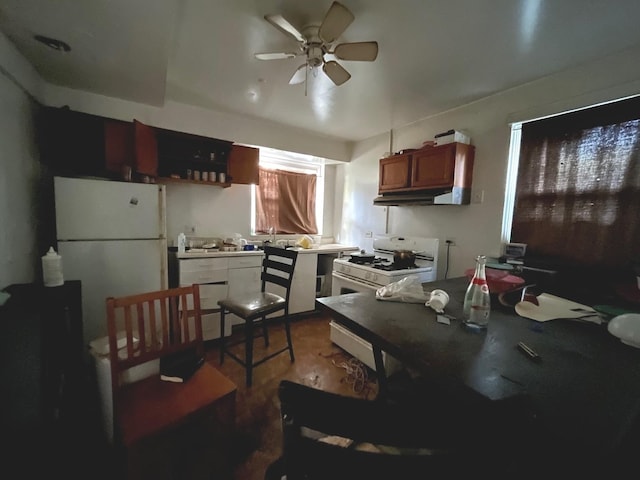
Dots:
pixel 627 328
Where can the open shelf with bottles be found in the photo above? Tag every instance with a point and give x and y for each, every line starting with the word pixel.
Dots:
pixel 185 154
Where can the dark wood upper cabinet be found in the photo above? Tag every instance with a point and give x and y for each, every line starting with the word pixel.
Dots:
pixel 432 168
pixel 395 173
pixel 77 144
pixel 118 145
pixel 146 150
pixel 243 164
pixel 71 143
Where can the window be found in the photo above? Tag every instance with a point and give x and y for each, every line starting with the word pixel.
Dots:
pixel 289 197
pixel 576 186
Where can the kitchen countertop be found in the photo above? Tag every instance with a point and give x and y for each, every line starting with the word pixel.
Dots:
pixel 316 249
pixel 212 254
pixel 328 248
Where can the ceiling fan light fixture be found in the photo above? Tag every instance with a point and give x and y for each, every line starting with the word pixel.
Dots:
pixel 53 43
pixel 299 76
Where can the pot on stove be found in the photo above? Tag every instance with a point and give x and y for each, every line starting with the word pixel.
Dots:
pixel 362 257
pixel 404 258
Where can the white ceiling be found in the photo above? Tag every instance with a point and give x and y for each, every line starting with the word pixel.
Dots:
pixel 434 55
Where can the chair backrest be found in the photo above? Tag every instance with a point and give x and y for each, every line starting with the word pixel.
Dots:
pixel 151 325
pixel 277 268
pixel 326 435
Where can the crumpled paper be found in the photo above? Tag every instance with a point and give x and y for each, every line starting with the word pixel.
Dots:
pixel 408 289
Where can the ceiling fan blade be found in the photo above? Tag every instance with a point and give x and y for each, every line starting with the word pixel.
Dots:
pixel 300 75
pixel 284 26
pixel 336 21
pixel 359 51
pixel 275 55
pixel 336 72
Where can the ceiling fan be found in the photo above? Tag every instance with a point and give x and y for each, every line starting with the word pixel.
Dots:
pixel 318 40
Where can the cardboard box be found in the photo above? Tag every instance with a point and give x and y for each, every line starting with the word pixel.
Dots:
pixel 452 136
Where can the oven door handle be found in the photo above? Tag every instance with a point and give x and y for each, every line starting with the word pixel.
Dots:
pixel 356 280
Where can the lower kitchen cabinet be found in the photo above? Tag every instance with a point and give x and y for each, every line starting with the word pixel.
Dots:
pixel 218 277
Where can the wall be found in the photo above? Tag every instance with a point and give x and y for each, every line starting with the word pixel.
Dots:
pixel 19 172
pixel 475 228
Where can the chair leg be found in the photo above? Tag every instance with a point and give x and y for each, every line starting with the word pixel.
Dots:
pixel 248 347
pixel 222 339
pixel 288 331
pixel 265 331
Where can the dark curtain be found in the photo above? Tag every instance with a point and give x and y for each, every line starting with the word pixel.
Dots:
pixel 578 188
pixel 286 201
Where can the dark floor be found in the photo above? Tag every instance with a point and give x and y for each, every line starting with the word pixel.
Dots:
pixel 256 442
pixel 319 363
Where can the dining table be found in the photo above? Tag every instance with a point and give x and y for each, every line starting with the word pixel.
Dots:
pixel 580 384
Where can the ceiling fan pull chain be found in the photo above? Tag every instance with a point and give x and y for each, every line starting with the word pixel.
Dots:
pixel 306 79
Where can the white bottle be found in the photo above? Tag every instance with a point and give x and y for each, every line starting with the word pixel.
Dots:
pixel 182 243
pixel 52 269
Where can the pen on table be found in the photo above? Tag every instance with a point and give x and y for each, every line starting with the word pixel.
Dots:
pixel 528 351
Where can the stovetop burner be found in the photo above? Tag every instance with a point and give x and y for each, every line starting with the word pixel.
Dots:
pixel 366 260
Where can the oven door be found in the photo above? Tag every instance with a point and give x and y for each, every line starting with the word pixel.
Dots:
pixel 341 284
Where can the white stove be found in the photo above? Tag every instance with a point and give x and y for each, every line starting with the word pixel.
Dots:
pixel 363 272
pixel 367 272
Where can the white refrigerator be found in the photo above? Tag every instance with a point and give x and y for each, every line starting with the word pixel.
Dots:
pixel 112 237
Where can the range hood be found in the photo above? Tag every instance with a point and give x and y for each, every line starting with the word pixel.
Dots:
pixel 453 196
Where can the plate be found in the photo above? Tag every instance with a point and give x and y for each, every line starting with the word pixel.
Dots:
pixel 551 307
pixel 627 328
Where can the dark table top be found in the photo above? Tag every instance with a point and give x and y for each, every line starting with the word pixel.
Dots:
pixel 585 389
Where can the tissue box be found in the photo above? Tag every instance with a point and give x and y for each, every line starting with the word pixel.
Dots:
pixel 452 136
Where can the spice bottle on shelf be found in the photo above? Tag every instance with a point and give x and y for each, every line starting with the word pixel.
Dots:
pixel 477 303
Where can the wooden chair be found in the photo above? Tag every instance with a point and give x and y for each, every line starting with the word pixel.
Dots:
pixel 327 435
pixel 145 328
pixel 277 270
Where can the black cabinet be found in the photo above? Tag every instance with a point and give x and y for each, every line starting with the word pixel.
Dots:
pixel 179 152
pixel 42 364
pixel 71 143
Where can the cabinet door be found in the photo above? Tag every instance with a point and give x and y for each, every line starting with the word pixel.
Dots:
pixel 433 167
pixel 146 149
pixel 71 143
pixel 118 145
pixel 303 288
pixel 394 173
pixel 243 164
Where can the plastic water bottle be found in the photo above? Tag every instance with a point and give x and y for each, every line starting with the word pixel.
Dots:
pixel 52 269
pixel 182 243
pixel 477 303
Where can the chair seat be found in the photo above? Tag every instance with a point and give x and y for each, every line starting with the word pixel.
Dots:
pixel 173 403
pixel 253 305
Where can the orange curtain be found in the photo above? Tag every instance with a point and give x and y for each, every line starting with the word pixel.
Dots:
pixel 286 202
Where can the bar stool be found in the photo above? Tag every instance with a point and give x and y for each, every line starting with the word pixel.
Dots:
pixel 277 269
